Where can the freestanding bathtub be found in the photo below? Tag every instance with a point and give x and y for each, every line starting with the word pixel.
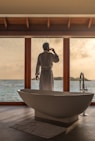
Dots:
pixel 53 105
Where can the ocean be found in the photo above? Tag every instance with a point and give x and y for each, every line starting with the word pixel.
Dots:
pixel 8 88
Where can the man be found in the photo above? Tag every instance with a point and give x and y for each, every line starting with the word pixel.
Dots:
pixel 45 62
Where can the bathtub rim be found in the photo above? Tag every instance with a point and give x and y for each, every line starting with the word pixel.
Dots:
pixel 52 93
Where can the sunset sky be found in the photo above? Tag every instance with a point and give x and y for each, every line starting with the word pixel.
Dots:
pixel 82 56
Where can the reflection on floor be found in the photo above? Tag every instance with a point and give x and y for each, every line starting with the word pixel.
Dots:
pixel 9 115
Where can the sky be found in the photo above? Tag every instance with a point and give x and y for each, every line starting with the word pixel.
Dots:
pixel 82 56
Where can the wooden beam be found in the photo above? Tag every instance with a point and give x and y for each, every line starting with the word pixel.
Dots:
pixel 69 23
pixel 5 23
pixel 86 34
pixel 43 28
pixel 90 23
pixel 27 23
pixel 66 64
pixel 48 23
pixel 27 63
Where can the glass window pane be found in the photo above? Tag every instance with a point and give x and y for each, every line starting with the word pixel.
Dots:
pixel 11 68
pixel 82 59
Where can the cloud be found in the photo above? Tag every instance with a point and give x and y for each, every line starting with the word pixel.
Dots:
pixel 57 40
pixel 79 49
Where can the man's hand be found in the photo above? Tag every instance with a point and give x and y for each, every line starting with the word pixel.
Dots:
pixel 53 50
pixel 37 77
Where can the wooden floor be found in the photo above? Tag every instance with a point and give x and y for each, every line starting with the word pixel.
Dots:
pixel 9 115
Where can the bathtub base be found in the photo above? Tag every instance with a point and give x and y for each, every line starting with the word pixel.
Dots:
pixel 64 122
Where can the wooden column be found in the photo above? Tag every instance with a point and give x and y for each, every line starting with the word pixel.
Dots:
pixel 27 63
pixel 66 64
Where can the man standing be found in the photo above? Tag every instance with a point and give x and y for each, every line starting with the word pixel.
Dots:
pixel 45 62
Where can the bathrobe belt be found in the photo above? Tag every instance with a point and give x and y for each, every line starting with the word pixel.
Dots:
pixel 46 68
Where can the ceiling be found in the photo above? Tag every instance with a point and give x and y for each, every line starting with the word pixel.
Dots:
pixel 47 7
pixel 44 18
pixel 47 26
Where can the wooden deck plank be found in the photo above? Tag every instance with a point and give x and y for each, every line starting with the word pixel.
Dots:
pixel 10 115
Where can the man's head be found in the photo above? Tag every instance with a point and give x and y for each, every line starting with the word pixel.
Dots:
pixel 46 46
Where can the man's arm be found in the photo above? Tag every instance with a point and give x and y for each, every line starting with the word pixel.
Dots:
pixel 55 56
pixel 37 68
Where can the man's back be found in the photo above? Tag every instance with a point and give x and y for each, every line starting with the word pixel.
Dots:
pixel 45 59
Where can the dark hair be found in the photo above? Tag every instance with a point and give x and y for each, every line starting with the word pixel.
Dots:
pixel 46 46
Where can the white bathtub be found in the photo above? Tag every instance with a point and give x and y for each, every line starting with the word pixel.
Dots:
pixel 56 104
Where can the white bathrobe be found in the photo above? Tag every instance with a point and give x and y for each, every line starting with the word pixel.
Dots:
pixel 45 62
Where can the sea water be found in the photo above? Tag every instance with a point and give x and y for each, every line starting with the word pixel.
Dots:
pixel 8 88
